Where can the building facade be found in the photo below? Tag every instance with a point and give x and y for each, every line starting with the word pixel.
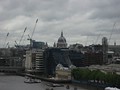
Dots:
pixel 55 56
pixel 105 50
pixel 35 61
pixel 63 73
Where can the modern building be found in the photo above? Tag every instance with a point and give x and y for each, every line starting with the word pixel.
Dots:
pixel 35 61
pixel 105 50
pixel 76 57
pixel 55 56
pixel 38 45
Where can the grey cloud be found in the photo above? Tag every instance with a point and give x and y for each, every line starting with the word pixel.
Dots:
pixel 77 18
pixel 106 9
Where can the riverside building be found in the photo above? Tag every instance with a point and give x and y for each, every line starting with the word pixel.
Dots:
pixel 34 62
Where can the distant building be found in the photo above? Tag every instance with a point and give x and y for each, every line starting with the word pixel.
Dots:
pixel 113 53
pixel 38 44
pixel 35 61
pixel 84 56
pixel 62 73
pixel 76 47
pixel 76 58
pixel 5 52
pixel 105 50
pixel 62 42
pixel 115 48
pixel 11 57
pixel 110 56
pixel 55 56
pixel 93 58
pixel 96 48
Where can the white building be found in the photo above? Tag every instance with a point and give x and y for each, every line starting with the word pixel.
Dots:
pixel 64 73
pixel 34 60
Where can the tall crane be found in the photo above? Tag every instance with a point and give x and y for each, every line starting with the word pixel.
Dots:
pixel 30 38
pixel 111 32
pixel 7 45
pixel 97 38
pixel 22 35
pixel 34 28
pixel 16 43
pixel 5 39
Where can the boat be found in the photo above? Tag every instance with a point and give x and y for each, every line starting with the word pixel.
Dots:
pixel 55 85
pixel 111 88
pixel 31 80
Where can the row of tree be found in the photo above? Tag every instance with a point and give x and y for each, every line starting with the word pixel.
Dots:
pixel 96 76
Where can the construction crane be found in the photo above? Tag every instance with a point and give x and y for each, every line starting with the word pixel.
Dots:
pixel 34 28
pixel 5 39
pixel 22 35
pixel 31 38
pixel 97 38
pixel 28 37
pixel 111 32
pixel 16 43
pixel 7 45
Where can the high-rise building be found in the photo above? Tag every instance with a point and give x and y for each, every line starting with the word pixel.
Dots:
pixel 105 50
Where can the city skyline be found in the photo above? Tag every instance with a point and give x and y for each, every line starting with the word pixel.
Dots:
pixel 84 22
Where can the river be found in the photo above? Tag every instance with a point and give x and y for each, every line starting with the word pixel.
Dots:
pixel 12 82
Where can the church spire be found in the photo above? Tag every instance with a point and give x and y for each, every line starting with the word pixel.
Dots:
pixel 61 33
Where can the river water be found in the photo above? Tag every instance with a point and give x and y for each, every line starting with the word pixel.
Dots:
pixel 12 82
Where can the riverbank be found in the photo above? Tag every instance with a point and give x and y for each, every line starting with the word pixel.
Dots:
pixel 71 83
pixel 93 84
pixel 66 81
pixel 83 83
pixel 45 79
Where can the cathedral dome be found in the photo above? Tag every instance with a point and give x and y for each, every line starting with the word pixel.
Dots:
pixel 61 41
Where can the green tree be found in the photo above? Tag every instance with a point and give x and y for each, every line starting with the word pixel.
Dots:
pixel 96 75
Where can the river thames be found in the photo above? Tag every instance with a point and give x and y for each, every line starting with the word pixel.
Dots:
pixel 12 82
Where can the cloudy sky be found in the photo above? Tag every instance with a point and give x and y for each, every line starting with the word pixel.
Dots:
pixel 82 21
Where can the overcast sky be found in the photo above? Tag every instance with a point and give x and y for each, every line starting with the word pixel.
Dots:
pixel 82 21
